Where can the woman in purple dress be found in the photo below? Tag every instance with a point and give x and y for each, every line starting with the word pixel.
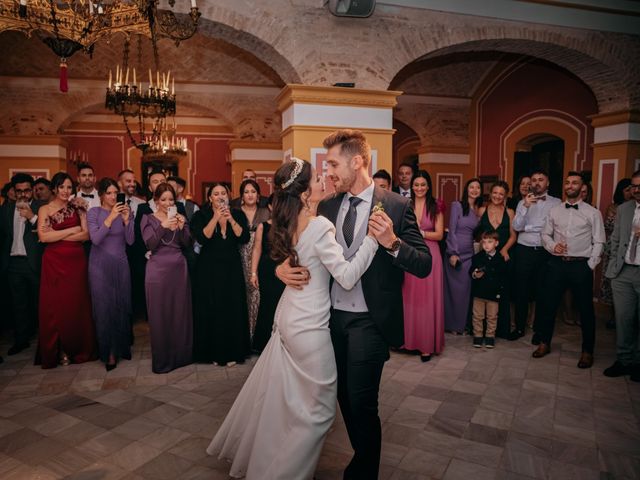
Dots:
pixel 463 220
pixel 111 231
pixel 423 297
pixel 167 285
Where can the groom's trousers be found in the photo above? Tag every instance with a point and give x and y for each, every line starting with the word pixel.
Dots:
pixel 360 352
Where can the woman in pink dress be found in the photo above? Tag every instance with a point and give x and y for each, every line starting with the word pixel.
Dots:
pixel 423 298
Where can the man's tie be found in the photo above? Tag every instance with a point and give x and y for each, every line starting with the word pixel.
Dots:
pixel 87 195
pixel 568 205
pixel 349 224
pixel 634 248
pixel 405 193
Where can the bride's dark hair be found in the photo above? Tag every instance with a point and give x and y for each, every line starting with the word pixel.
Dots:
pixel 287 205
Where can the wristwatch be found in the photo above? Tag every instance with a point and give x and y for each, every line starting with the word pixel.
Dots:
pixel 395 245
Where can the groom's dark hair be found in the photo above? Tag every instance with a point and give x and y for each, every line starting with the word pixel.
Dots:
pixel 352 142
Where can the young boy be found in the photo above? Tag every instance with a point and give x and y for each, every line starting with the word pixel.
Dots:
pixel 488 271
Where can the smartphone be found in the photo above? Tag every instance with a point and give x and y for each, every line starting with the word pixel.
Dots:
pixel 120 198
pixel 173 210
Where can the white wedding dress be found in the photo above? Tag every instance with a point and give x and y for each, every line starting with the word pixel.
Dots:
pixel 277 425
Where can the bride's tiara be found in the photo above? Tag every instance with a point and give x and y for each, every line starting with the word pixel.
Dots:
pixel 297 168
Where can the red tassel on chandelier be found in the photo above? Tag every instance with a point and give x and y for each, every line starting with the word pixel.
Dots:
pixel 64 86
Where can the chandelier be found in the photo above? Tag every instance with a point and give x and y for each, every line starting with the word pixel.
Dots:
pixel 166 144
pixel 68 26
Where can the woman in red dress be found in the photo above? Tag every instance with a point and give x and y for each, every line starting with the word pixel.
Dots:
pixel 67 334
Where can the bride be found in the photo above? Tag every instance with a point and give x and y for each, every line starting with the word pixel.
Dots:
pixel 277 425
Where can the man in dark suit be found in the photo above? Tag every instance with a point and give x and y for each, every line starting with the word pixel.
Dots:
pixel 403 179
pixel 368 318
pixel 21 256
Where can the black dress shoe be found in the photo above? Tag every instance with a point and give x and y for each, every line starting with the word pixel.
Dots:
pixel 110 366
pixel 515 335
pixel 635 373
pixel 425 357
pixel 618 369
pixel 17 348
pixel 542 351
pixel 535 339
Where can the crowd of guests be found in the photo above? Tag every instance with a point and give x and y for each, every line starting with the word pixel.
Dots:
pixel 83 258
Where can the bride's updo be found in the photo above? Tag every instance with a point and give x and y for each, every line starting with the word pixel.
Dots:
pixel 291 180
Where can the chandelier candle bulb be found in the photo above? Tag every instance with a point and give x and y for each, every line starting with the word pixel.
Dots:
pixel 157 79
pixel 150 79
pixel 91 7
pixel 126 78
pixel 100 10
pixel 110 79
pixel 193 4
pixel 134 76
pixel 173 86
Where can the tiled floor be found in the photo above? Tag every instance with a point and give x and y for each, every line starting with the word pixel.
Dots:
pixel 468 414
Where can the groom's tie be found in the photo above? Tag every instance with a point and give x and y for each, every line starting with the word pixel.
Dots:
pixel 349 224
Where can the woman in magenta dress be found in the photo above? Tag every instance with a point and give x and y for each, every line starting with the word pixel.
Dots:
pixel 167 285
pixel 67 334
pixel 423 298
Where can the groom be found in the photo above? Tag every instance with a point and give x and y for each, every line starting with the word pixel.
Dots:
pixel 368 318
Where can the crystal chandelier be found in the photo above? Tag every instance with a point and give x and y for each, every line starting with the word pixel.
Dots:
pixel 167 143
pixel 67 26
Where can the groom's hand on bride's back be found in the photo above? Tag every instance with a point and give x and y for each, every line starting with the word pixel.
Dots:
pixel 294 277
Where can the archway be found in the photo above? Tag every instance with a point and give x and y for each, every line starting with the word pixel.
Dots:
pixel 544 131
pixel 543 151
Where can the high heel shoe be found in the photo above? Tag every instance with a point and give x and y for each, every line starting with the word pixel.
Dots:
pixel 425 357
pixel 110 366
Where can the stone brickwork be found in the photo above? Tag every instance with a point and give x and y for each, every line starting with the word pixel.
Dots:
pixel 281 41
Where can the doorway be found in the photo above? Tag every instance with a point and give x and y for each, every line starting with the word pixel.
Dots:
pixel 541 151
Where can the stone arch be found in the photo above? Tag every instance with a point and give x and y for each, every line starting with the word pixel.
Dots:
pixel 612 77
pixel 545 122
pixel 259 34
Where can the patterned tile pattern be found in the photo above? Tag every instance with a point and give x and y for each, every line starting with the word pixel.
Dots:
pixel 468 413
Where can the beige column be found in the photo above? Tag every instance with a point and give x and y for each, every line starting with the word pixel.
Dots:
pixel 616 152
pixel 38 155
pixel 262 157
pixel 311 113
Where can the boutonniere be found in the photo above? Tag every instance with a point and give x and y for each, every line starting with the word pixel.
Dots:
pixel 378 208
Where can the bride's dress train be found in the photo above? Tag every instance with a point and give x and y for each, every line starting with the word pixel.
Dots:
pixel 277 425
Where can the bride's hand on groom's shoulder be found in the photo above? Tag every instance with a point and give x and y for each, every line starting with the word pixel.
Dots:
pixel 381 228
pixel 294 277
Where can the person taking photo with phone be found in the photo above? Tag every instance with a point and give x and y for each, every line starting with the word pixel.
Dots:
pixel 111 230
pixel 167 285
pixel 221 329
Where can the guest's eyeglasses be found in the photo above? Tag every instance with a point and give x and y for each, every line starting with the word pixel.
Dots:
pixel 26 190
pixel 632 187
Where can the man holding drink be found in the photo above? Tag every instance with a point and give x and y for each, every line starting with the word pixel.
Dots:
pixel 531 256
pixel 21 257
pixel 574 235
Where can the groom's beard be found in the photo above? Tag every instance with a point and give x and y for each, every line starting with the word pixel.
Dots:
pixel 344 184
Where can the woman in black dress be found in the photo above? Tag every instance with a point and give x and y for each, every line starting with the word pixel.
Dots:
pixel 263 277
pixel 221 326
pixel 497 216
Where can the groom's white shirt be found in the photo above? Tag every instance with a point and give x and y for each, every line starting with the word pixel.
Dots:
pixel 363 208
pixel 352 300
